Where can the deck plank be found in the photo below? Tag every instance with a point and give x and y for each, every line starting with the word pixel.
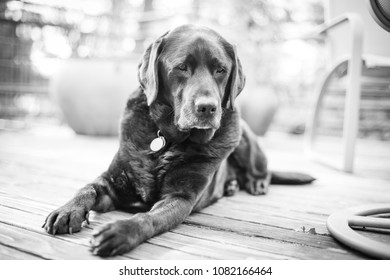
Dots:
pixel 312 243
pixel 7 253
pixel 271 245
pixel 41 245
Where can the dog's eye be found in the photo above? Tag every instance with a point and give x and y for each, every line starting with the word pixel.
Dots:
pixel 182 67
pixel 221 70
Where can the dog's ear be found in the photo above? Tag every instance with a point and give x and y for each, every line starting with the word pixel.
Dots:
pixel 236 80
pixel 148 69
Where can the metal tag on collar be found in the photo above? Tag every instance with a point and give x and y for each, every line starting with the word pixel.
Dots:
pixel 158 143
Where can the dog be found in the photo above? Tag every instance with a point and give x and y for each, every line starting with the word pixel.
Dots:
pixel 182 145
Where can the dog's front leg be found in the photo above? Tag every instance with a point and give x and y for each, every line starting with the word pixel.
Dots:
pixel 69 218
pixel 124 235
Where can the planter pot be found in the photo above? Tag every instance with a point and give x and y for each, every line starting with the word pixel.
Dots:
pixel 258 107
pixel 92 93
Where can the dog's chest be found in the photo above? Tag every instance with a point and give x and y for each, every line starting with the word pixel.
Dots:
pixel 144 170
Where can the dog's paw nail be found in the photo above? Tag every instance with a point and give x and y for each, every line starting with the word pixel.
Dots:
pixel 70 230
pixel 87 218
pixel 43 225
pixel 54 231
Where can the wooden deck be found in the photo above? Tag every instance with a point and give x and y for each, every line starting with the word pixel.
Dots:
pixel 41 169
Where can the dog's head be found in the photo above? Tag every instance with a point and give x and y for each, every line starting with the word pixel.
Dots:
pixel 196 73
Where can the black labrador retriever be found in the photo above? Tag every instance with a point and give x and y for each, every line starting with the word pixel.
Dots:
pixel 182 145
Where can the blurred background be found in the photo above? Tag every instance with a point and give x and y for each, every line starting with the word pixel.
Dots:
pixel 73 63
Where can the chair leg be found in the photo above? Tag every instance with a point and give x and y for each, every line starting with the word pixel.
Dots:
pixel 352 108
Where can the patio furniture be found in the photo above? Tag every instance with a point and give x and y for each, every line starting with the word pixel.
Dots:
pixel 355 63
pixel 342 224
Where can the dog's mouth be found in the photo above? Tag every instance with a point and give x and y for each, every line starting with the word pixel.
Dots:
pixel 198 133
pixel 198 126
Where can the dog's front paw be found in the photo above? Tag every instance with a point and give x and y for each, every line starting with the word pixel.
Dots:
pixel 258 186
pixel 66 219
pixel 116 238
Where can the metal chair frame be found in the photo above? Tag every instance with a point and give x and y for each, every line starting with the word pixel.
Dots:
pixel 352 105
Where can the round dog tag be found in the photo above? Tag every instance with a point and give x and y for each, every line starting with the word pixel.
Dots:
pixel 157 143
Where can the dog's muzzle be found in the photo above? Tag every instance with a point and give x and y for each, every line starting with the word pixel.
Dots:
pixel 204 113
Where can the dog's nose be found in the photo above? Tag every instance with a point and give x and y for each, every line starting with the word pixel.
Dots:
pixel 206 107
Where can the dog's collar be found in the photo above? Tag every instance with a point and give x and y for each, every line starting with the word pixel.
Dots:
pixel 158 143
